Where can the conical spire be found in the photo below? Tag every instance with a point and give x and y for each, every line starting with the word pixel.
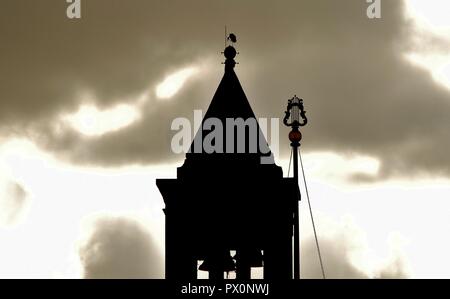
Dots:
pixel 230 100
pixel 239 129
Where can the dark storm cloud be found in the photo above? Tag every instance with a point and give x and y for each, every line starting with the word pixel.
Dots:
pixel 120 248
pixel 361 95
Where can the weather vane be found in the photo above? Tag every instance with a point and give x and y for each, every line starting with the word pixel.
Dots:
pixel 297 114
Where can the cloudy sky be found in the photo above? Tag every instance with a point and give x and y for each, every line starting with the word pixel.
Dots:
pixel 86 107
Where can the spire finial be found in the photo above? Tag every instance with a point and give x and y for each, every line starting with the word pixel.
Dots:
pixel 230 52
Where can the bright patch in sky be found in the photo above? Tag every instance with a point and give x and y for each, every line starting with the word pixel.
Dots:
pixel 331 166
pixel 43 245
pixel 90 121
pixel 174 82
pixel 433 13
pixel 446 72
pixel 432 17
pixel 439 65
pixel 64 195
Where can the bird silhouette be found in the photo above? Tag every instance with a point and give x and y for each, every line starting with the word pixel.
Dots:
pixel 232 38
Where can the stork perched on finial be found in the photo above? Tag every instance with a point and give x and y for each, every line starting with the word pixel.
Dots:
pixel 232 38
pixel 230 52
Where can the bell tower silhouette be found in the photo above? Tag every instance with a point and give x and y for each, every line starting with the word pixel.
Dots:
pixel 229 200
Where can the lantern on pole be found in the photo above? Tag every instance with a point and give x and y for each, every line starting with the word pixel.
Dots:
pixel 295 117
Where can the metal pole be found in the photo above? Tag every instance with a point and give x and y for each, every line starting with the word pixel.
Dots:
pixel 295 136
pixel 296 216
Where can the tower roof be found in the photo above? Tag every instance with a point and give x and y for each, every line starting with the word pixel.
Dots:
pixel 229 101
pixel 230 105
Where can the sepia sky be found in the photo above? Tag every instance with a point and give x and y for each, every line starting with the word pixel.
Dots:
pixel 86 107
